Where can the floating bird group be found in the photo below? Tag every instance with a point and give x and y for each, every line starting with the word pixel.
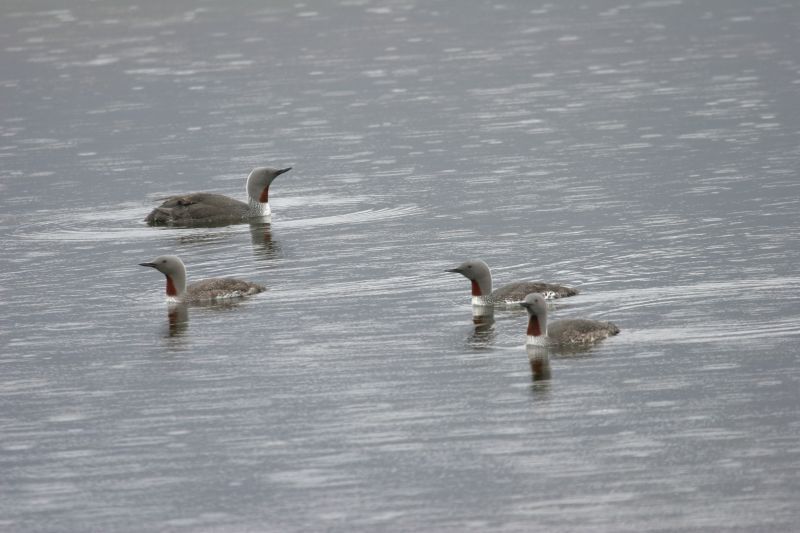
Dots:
pixel 206 209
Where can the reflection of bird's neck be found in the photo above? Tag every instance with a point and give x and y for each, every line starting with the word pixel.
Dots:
pixel 265 236
pixel 539 358
pixel 177 318
pixel 261 236
pixel 482 322
pixel 540 369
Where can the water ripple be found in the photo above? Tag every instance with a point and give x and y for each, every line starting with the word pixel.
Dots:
pixel 357 217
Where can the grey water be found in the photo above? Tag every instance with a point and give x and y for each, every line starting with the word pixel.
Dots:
pixel 644 152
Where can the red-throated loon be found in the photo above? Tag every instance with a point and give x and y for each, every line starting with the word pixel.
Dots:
pixel 202 208
pixel 478 272
pixel 207 290
pixel 562 332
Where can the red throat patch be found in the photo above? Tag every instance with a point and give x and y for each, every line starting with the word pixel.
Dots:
pixel 264 198
pixel 171 291
pixel 533 327
pixel 476 289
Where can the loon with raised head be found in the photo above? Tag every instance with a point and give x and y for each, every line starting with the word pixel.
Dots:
pixel 479 274
pixel 202 208
pixel 207 290
pixel 578 331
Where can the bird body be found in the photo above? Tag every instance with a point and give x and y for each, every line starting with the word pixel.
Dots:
pixel 197 208
pixel 517 291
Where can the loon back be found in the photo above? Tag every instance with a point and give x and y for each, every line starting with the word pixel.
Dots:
pixel 516 292
pixel 215 289
pixel 580 331
pixel 197 208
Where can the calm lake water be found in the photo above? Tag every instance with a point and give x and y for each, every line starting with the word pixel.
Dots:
pixel 646 153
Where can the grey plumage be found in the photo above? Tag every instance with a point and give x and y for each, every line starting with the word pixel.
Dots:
pixel 580 330
pixel 517 291
pixel 205 207
pixel 212 289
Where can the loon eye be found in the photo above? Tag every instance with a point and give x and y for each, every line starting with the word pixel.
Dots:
pixel 163 261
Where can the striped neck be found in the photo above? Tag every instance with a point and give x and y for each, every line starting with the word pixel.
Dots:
pixel 258 209
pixel 537 340
pixel 481 301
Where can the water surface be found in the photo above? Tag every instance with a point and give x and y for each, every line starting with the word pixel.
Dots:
pixel 645 153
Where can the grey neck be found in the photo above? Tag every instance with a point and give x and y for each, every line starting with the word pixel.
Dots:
pixel 484 281
pixel 179 282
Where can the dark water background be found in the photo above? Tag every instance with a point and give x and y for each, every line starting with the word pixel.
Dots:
pixel 646 153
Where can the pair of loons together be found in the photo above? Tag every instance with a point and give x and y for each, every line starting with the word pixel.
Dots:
pixel 204 208
pixel 532 296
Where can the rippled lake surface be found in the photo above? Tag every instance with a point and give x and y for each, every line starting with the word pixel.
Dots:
pixel 646 153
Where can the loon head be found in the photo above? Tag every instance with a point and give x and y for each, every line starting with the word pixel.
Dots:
pixel 175 271
pixel 260 179
pixel 478 273
pixel 537 314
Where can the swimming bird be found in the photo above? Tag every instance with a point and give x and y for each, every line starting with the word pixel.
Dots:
pixel 202 208
pixel 479 274
pixel 207 290
pixel 579 331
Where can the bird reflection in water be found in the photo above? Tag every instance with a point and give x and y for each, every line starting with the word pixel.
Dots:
pixel 483 333
pixel 177 319
pixel 539 357
pixel 203 233
pixel 178 314
pixel 263 244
